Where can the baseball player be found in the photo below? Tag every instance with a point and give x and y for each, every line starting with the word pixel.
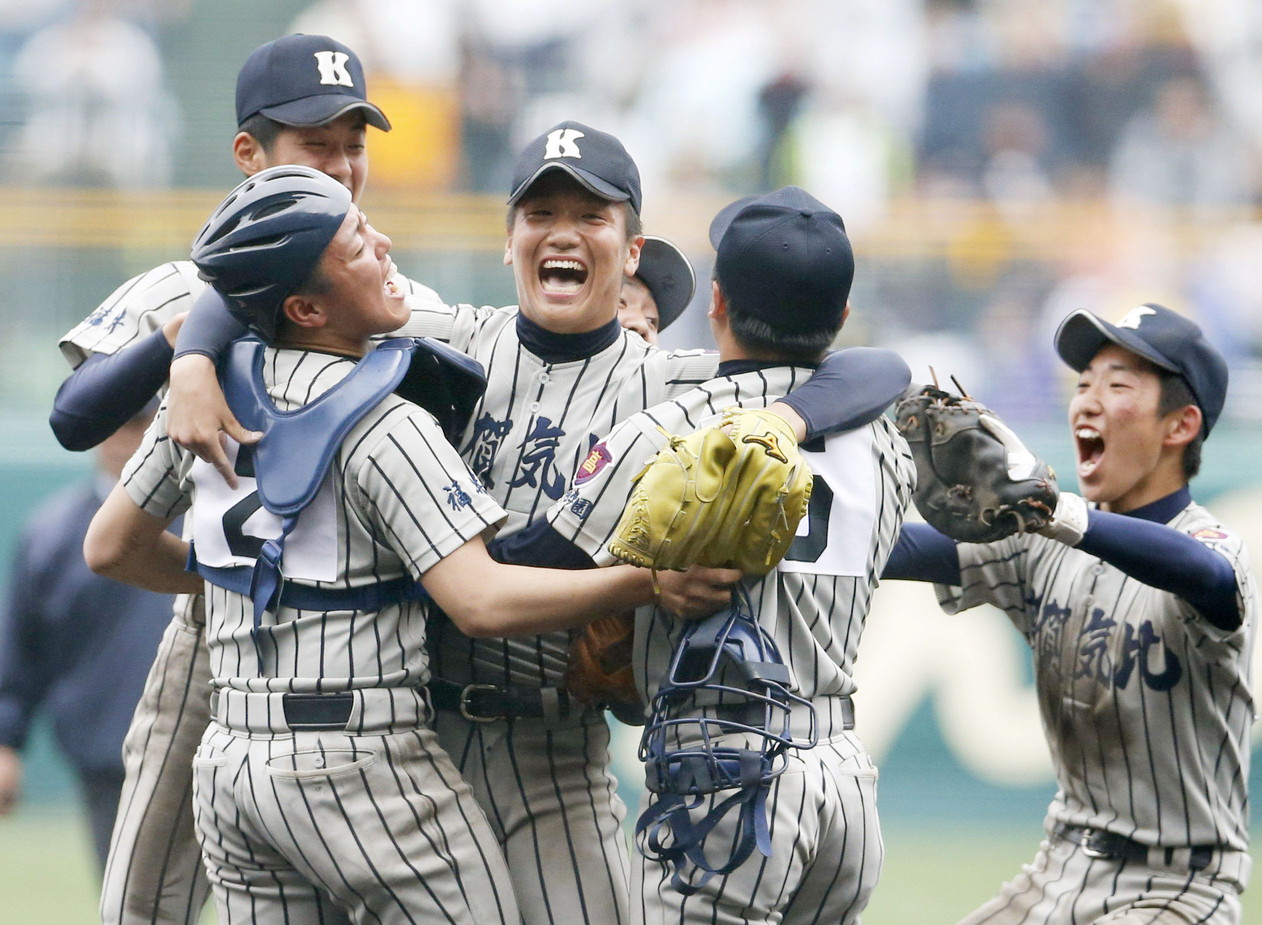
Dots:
pixel 1140 609
pixel 560 372
pixel 300 99
pixel 660 290
pixel 780 294
pixel 320 789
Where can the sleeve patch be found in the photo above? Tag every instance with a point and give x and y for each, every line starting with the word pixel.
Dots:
pixel 590 467
pixel 1210 536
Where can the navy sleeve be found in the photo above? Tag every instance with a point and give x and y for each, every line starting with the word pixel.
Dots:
pixel 209 327
pixel 1168 560
pixel 539 544
pixel 923 554
pixel 851 387
pixel 107 390
pixel 24 680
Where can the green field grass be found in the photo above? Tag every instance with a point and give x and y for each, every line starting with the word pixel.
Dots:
pixel 932 876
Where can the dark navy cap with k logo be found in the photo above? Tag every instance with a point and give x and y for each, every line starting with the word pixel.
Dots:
pixel 594 158
pixel 304 80
pixel 1162 337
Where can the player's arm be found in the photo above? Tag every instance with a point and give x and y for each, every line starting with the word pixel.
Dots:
pixel 851 387
pixel 699 591
pixel 24 675
pixel 488 598
pixel 1155 554
pixel 128 544
pixel 107 390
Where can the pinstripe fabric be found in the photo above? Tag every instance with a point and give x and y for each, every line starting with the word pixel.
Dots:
pixel 155 875
pixel 826 841
pixel 547 788
pixel 380 822
pixel 160 877
pixel 1147 707
pixel 1064 885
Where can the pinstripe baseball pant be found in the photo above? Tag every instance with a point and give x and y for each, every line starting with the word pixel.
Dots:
pixel 1064 884
pixel 154 874
pixel 552 800
pixel 366 823
pixel 826 852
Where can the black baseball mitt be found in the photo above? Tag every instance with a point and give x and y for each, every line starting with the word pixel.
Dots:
pixel 976 481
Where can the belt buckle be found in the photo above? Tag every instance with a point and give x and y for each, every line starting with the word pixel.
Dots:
pixel 465 693
pixel 1088 844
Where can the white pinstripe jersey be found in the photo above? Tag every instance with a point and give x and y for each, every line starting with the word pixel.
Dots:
pixel 532 428
pixel 815 603
pixel 396 501
pixel 1146 706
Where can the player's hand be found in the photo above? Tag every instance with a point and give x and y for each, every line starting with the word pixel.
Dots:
pixel 10 779
pixel 698 592
pixel 172 328
pixel 198 417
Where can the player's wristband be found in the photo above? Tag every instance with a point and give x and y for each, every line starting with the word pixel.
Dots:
pixel 209 328
pixel 1069 522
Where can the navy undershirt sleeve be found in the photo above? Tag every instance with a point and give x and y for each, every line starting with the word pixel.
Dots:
pixel 108 390
pixel 923 554
pixel 1168 560
pixel 539 544
pixel 209 328
pixel 851 387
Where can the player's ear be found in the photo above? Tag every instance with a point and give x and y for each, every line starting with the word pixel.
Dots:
pixel 248 154
pixel 633 256
pixel 508 250
pixel 1181 426
pixel 302 312
pixel 718 302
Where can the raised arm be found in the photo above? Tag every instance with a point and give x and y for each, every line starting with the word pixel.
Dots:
pixel 107 390
pixel 198 417
pixel 852 387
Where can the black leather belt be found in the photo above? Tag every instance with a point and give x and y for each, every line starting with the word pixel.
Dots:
pixel 486 703
pixel 1097 843
pixel 318 711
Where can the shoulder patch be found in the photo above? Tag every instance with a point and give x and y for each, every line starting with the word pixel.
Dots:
pixel 1210 536
pixel 590 467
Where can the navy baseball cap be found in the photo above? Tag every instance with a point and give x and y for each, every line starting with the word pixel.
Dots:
pixel 669 276
pixel 785 258
pixel 594 158
pixel 1162 337
pixel 304 80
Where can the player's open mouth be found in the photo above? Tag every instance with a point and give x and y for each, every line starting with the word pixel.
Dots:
pixel 1090 446
pixel 562 276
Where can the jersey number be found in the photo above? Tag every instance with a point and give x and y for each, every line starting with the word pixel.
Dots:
pixel 810 547
pixel 239 544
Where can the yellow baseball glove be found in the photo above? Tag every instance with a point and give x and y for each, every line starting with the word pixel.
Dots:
pixel 727 496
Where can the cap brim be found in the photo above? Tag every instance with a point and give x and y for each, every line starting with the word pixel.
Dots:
pixel 317 110
pixel 669 276
pixel 589 181
pixel 723 221
pixel 1081 335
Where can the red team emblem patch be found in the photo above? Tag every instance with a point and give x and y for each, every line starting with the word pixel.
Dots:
pixel 596 460
pixel 1209 536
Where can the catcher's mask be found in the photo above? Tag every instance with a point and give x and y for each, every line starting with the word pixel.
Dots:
pixel 266 238
pixel 721 721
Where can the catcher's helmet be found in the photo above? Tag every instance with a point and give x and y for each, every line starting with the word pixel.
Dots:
pixel 266 238
pixel 720 721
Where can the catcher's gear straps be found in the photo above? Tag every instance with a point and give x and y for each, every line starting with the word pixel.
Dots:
pixel 291 461
pixel 682 776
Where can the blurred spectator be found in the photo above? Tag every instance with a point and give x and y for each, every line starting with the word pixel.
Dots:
pixel 97 111
pixel 75 644
pixel 1179 152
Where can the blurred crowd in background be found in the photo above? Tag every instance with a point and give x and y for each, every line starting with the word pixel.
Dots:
pixel 998 162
